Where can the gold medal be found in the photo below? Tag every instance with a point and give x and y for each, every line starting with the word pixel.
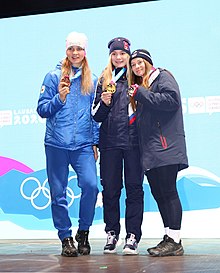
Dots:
pixel 111 87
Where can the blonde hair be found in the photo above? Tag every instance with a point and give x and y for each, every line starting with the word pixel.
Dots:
pixel 86 78
pixel 106 76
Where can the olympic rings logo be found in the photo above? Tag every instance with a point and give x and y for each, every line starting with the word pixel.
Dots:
pixel 42 189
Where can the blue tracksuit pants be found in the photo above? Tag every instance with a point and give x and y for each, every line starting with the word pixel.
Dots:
pixel 83 163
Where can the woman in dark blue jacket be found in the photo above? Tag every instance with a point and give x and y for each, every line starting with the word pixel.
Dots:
pixel 119 150
pixel 71 137
pixel 162 143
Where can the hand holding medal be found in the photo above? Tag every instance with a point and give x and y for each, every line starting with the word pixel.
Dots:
pixel 64 87
pixel 109 91
pixel 132 90
pixel 106 97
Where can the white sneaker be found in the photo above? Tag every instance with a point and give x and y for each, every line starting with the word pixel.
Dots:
pixel 131 246
pixel 112 239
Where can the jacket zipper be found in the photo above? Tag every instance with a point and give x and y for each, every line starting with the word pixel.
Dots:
pixel 162 138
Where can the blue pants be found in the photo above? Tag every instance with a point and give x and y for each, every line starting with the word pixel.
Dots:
pixel 112 164
pixel 83 163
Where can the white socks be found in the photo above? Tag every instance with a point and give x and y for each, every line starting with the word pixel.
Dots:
pixel 166 231
pixel 174 234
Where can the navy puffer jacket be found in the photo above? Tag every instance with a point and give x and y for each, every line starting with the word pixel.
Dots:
pixel 115 130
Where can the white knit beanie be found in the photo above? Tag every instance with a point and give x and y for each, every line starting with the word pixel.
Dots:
pixel 76 39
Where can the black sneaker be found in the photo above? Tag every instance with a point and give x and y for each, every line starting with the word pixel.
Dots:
pixel 68 248
pixel 83 242
pixel 167 248
pixel 112 239
pixel 158 245
pixel 131 246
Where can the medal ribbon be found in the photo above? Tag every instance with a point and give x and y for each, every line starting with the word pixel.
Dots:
pixel 116 77
pixel 77 75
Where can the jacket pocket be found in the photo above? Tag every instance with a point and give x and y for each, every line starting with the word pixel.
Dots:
pixel 163 140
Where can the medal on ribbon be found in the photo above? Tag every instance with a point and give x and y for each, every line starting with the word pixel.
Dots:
pixel 111 87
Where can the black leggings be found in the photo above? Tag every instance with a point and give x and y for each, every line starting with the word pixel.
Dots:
pixel 162 182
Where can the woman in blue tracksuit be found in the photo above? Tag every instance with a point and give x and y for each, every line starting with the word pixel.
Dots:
pixel 162 143
pixel 119 150
pixel 71 137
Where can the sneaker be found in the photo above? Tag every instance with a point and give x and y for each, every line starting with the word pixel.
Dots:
pixel 112 239
pixel 68 248
pixel 158 245
pixel 167 248
pixel 83 242
pixel 131 246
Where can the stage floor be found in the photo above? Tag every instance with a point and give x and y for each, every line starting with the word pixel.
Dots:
pixel 201 255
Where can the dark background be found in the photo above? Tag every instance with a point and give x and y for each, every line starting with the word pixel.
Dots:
pixel 13 8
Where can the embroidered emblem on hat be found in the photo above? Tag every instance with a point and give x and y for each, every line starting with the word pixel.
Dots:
pixel 42 89
pixel 126 45
pixel 134 54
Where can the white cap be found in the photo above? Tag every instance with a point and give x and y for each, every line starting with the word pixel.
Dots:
pixel 76 39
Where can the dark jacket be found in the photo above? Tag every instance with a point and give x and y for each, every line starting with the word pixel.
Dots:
pixel 115 131
pixel 160 123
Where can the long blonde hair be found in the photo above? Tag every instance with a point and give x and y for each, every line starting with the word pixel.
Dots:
pixel 86 78
pixel 106 76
